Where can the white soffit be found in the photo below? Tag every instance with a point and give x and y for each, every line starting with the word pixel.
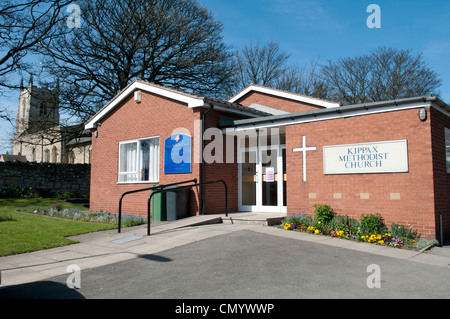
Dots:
pixel 267 109
pixel 283 94
pixel 190 101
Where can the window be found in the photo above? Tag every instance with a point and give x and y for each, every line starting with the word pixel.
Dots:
pixel 71 157
pixel 139 161
pixel 54 154
pixel 447 148
pixel 46 156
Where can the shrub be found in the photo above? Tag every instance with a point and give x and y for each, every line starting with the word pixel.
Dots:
pixel 68 195
pixel 402 232
pixel 16 192
pixel 44 192
pixel 372 224
pixel 371 228
pixel 323 214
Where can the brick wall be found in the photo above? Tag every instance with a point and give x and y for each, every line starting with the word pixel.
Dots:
pixel 154 116
pixel 58 178
pixel 439 122
pixel 221 170
pixel 403 198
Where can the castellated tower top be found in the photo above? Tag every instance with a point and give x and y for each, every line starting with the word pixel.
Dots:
pixel 38 109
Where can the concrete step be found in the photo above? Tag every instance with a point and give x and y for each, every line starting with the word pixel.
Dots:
pixel 264 219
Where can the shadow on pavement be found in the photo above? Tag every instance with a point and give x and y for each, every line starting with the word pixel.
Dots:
pixel 39 290
pixel 156 258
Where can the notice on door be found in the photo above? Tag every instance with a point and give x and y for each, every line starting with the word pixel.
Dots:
pixel 366 158
pixel 270 174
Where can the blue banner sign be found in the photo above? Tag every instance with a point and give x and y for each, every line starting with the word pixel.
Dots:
pixel 177 154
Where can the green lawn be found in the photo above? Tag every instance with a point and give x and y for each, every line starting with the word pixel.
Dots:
pixel 22 232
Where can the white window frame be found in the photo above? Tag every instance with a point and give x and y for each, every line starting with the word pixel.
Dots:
pixel 447 149
pixel 139 162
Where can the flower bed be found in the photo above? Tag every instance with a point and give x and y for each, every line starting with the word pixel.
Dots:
pixel 93 217
pixel 370 229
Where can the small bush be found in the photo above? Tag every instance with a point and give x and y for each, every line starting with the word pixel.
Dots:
pixel 44 193
pixel 323 214
pixel 16 192
pixel 371 228
pixel 402 231
pixel 68 195
pixel 372 224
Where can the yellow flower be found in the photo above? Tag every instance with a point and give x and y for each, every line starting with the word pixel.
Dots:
pixel 287 226
pixel 317 232
pixel 381 241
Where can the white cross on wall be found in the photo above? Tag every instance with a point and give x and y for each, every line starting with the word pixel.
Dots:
pixel 304 149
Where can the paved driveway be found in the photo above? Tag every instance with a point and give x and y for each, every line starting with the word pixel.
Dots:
pixel 249 264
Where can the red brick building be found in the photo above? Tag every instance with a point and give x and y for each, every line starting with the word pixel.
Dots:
pixel 277 152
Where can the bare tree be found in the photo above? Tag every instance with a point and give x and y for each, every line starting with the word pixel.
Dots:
pixel 23 25
pixel 383 74
pixel 260 64
pixel 303 80
pixel 268 65
pixel 175 43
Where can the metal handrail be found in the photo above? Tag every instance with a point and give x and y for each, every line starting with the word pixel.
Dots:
pixel 183 187
pixel 143 190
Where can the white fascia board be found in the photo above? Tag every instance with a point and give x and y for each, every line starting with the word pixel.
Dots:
pixel 285 95
pixel 190 101
pixel 325 117
pixel 445 110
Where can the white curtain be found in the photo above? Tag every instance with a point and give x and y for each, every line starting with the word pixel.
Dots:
pixel 154 160
pixel 128 163
pixel 139 161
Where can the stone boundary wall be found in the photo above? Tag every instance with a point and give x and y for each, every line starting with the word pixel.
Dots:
pixel 58 178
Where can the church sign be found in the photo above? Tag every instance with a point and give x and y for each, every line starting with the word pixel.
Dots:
pixel 177 154
pixel 366 158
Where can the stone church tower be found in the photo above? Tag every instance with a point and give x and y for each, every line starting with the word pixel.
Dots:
pixel 38 109
pixel 39 136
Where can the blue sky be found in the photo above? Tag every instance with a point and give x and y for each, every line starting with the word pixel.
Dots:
pixel 326 30
pixel 329 29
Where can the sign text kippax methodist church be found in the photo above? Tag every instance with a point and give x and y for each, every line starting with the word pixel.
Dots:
pixel 378 157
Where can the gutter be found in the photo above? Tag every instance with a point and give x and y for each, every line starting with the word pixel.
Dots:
pixel 343 111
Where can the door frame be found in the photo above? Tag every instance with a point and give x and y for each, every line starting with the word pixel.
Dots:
pixel 259 207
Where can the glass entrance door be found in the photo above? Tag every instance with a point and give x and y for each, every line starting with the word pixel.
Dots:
pixel 262 179
pixel 269 176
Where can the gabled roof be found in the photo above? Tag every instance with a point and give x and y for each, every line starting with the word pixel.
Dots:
pixel 192 101
pixel 284 94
